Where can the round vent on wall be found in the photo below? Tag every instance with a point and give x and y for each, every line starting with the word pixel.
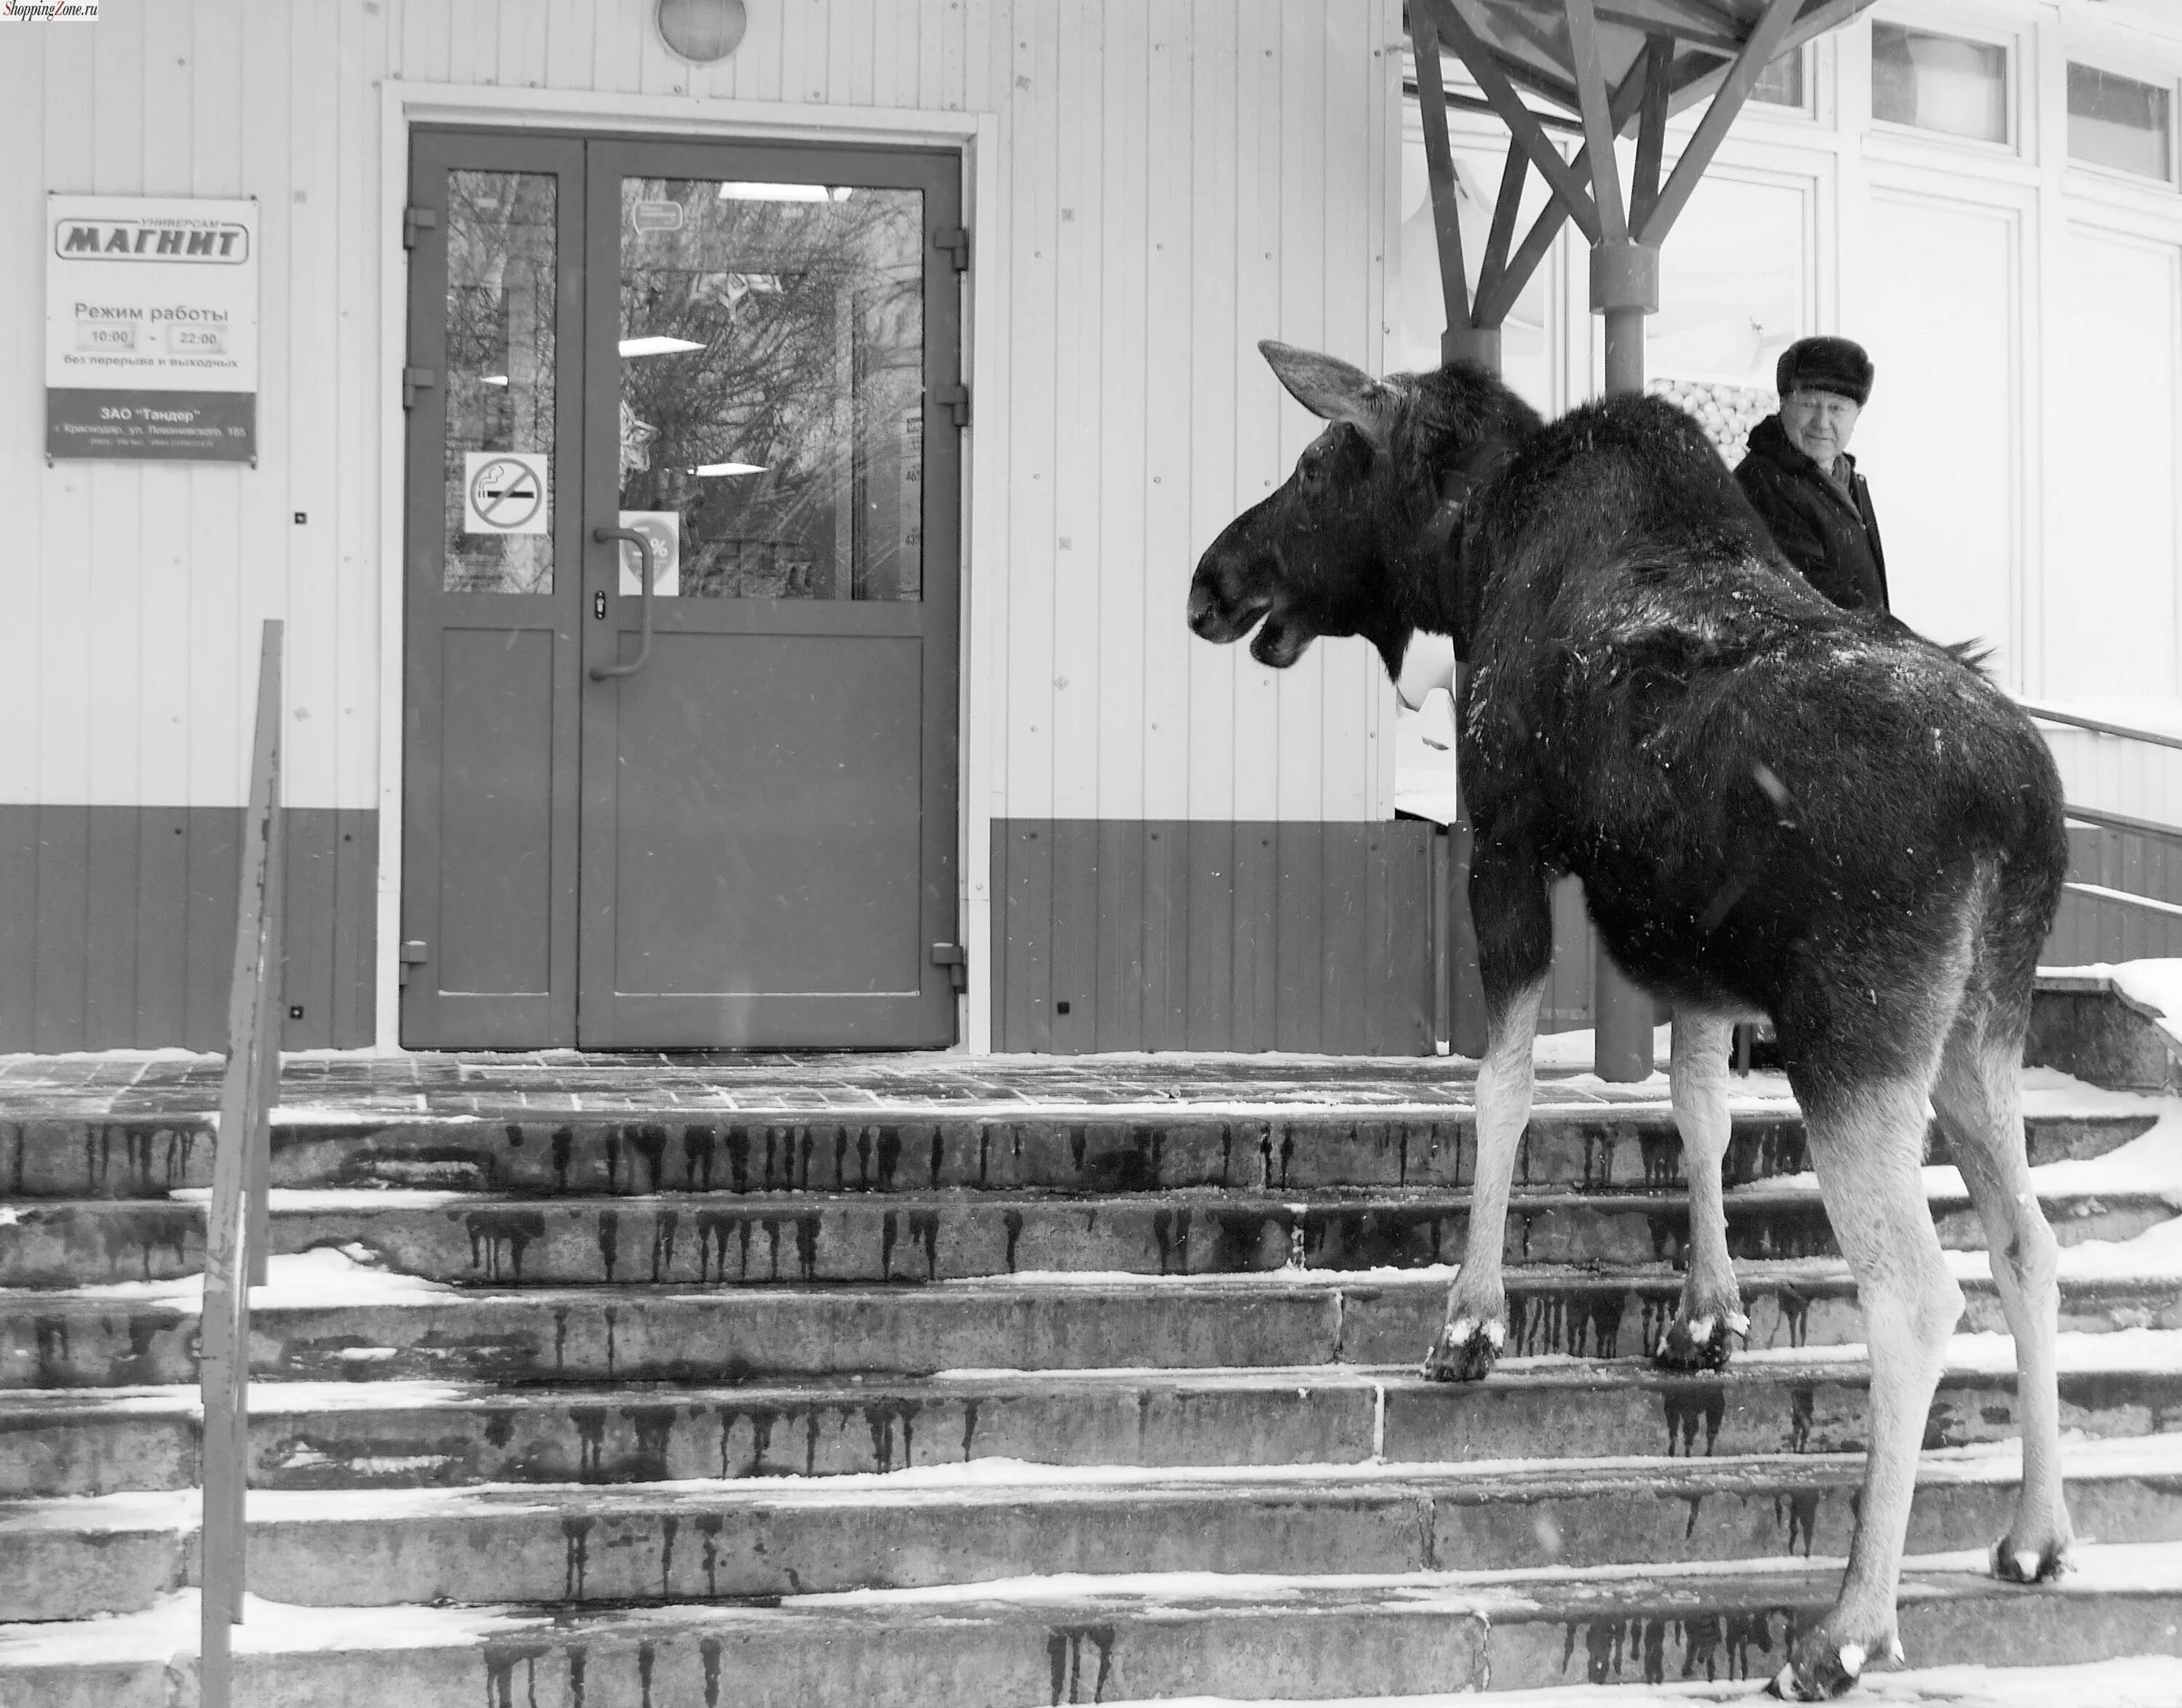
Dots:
pixel 702 32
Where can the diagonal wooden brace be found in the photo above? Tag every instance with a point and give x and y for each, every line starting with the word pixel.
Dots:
pixel 1568 186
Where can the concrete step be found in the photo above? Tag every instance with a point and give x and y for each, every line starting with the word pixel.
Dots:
pixel 700 1240
pixel 1087 1639
pixel 1090 1149
pixel 694 1540
pixel 396 1434
pixel 2128 1681
pixel 344 1320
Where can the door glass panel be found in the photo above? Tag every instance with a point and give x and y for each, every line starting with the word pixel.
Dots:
pixel 501 301
pixel 772 388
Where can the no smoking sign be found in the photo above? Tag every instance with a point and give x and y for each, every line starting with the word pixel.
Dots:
pixel 504 492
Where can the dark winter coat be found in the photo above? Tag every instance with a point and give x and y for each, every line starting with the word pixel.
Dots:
pixel 1832 539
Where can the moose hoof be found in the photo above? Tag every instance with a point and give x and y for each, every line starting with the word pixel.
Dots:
pixel 1705 1344
pixel 1466 1351
pixel 2031 1563
pixel 1821 1668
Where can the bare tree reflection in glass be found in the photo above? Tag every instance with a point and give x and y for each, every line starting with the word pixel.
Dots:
pixel 772 383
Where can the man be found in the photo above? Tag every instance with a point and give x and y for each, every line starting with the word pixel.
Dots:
pixel 1801 479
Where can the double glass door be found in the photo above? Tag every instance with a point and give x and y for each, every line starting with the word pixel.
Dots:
pixel 681 595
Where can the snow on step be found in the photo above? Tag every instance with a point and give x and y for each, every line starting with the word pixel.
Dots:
pixel 1036 1641
pixel 764 1537
pixel 2143 1681
pixel 395 1433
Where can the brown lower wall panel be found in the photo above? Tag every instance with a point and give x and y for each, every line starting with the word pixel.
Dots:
pixel 117 926
pixel 1184 934
pixel 1173 935
pixel 2088 930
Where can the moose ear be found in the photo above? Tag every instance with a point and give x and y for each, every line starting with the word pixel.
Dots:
pixel 1331 389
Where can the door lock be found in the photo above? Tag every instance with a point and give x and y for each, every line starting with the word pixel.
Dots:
pixel 599 606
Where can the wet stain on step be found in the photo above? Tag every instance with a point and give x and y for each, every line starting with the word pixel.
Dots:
pixel 1064 1653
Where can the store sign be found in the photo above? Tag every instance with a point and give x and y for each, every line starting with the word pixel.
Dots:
pixel 152 328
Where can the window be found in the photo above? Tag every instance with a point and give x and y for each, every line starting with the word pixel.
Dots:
pixel 1939 82
pixel 1781 83
pixel 2117 121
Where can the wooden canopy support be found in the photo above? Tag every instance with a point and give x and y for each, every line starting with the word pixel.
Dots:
pixel 1612 64
pixel 1508 285
pixel 1765 41
pixel 1598 128
pixel 1522 124
pixel 1652 128
pixel 1439 164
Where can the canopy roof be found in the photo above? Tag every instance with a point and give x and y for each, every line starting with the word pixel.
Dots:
pixel 1535 44
pixel 1598 68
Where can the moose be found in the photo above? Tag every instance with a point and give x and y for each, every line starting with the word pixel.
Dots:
pixel 1777 807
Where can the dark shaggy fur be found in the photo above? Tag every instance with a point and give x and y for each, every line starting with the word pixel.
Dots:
pixel 1775 805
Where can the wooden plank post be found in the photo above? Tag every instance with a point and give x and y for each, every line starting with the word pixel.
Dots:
pixel 1439 170
pixel 236 1232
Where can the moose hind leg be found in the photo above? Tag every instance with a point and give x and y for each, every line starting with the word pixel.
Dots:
pixel 1867 1143
pixel 1710 1316
pixel 1977 1100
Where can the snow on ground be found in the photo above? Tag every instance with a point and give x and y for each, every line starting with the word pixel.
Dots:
pixel 2150 1681
pixel 2155 1255
pixel 2149 1568
pixel 2121 1349
pixel 169 1627
pixel 1580 1049
pixel 327 1276
pixel 2149 1164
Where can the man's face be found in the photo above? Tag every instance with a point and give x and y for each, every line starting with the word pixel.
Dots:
pixel 1817 423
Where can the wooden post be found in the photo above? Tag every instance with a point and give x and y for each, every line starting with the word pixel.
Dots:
pixel 235 1229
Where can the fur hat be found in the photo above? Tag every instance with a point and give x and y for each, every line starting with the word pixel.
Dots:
pixel 1824 365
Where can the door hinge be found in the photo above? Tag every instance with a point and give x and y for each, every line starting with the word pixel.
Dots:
pixel 956 397
pixel 413 954
pixel 416 222
pixel 957 242
pixel 413 380
pixel 951 956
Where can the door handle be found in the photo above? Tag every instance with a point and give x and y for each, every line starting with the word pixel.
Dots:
pixel 601 673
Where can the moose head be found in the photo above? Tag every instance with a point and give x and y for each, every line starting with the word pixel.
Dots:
pixel 1355 542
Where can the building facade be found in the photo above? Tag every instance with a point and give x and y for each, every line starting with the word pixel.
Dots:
pixel 918 710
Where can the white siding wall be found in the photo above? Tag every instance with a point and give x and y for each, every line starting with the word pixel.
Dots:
pixel 134 589
pixel 2024 312
pixel 1175 181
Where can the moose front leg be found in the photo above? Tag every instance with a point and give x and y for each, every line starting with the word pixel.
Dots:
pixel 1513 918
pixel 1710 1318
pixel 1476 1326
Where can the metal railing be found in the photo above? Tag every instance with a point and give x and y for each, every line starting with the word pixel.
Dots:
pixel 2114 821
pixel 235 1229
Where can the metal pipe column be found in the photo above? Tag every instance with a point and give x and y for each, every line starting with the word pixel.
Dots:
pixel 1624 288
pixel 1480 347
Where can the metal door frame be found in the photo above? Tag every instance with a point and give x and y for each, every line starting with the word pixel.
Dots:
pixel 497 1019
pixel 417 116
pixel 405 107
pixel 600 1008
